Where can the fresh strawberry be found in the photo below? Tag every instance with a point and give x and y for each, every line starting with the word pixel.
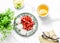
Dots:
pixel 27 23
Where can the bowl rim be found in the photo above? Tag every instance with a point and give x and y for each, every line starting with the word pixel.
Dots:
pixel 30 15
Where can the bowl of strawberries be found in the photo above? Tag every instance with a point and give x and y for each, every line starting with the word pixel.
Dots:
pixel 25 24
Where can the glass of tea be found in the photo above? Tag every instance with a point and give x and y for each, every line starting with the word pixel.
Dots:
pixel 42 10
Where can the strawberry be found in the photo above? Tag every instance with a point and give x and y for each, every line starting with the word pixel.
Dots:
pixel 27 23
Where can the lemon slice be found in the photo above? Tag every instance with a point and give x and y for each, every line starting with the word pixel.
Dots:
pixel 43 12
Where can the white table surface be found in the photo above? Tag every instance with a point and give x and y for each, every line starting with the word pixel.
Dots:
pixel 46 24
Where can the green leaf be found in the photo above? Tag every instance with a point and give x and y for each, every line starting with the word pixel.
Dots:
pixel 5 23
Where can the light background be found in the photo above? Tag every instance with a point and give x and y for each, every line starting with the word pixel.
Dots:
pixel 49 23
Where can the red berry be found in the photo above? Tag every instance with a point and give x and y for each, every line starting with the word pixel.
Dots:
pixel 27 23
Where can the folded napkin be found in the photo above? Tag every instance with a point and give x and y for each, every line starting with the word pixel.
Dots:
pixel 48 37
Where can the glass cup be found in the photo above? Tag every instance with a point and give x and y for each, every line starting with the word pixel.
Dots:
pixel 42 10
pixel 18 3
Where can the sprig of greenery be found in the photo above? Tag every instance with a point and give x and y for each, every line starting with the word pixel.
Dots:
pixel 5 23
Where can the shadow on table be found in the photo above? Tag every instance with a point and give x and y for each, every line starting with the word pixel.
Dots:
pixel 48 20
